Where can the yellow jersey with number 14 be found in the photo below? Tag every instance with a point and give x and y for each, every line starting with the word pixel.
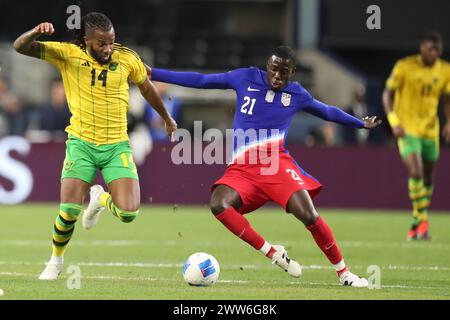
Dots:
pixel 418 89
pixel 97 94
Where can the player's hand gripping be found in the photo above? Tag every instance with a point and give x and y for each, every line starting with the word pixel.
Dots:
pixel 446 131
pixel 44 28
pixel 371 122
pixel 171 126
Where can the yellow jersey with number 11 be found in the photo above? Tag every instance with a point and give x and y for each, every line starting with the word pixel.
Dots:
pixel 418 89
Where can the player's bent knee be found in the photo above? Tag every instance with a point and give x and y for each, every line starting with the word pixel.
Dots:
pixel 218 206
pixel 128 207
pixel 307 216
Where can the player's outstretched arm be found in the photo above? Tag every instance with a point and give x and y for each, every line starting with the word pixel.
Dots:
pixel 150 93
pixel 394 121
pixel 332 113
pixel 190 79
pixel 446 128
pixel 26 44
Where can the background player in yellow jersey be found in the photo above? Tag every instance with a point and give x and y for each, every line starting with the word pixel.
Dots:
pixel 411 100
pixel 95 71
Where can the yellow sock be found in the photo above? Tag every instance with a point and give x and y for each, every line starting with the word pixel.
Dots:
pixel 124 216
pixel 420 200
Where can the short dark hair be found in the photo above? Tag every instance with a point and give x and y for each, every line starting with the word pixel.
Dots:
pixel 432 36
pixel 92 20
pixel 285 52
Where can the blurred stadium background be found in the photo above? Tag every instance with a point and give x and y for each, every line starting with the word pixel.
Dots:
pixel 340 61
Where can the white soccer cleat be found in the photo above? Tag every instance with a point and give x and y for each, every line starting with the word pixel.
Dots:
pixel 281 259
pixel 349 279
pixel 92 212
pixel 51 271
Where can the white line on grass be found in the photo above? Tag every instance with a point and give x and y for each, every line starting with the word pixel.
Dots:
pixel 186 241
pixel 299 283
pixel 236 266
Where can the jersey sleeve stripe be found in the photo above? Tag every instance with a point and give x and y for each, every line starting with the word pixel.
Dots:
pixel 125 49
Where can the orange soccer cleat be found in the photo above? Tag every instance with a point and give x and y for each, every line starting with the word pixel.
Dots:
pixel 412 234
pixel 422 231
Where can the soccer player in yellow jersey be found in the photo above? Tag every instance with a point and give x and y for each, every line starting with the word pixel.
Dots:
pixel 411 100
pixel 95 72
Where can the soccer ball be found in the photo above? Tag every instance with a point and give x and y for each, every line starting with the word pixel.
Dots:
pixel 201 269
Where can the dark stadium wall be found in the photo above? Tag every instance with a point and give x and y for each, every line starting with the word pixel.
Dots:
pixel 403 23
pixel 352 177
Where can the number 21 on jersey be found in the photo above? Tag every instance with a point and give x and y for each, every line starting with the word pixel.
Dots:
pixel 245 108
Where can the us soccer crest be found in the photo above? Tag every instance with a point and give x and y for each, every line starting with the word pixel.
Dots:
pixel 285 99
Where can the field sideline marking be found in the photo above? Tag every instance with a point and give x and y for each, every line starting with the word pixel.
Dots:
pixel 248 266
pixel 103 277
pixel 181 241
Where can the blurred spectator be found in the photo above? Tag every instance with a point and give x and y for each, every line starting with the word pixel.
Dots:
pixel 330 135
pixel 313 138
pixel 55 117
pixel 322 135
pixel 138 131
pixel 304 129
pixel 312 131
pixel 156 123
pixel 12 118
pixel 358 109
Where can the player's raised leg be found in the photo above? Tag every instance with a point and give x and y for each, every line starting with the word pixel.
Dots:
pixel 225 203
pixel 302 207
pixel 72 194
pixel 123 201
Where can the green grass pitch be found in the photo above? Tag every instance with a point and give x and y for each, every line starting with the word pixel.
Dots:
pixel 143 260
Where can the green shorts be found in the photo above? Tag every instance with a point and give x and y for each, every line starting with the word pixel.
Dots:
pixel 84 158
pixel 428 149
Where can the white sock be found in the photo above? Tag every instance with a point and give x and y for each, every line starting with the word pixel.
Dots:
pixel 265 248
pixel 339 266
pixel 55 259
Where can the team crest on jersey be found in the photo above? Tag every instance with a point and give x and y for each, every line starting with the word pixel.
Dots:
pixel 113 66
pixel 285 99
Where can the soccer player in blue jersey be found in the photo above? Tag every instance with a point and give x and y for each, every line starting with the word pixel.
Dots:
pixel 266 103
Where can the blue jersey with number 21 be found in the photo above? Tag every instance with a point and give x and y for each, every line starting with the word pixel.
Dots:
pixel 262 113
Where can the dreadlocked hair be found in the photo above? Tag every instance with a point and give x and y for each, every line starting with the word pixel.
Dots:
pixel 92 20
